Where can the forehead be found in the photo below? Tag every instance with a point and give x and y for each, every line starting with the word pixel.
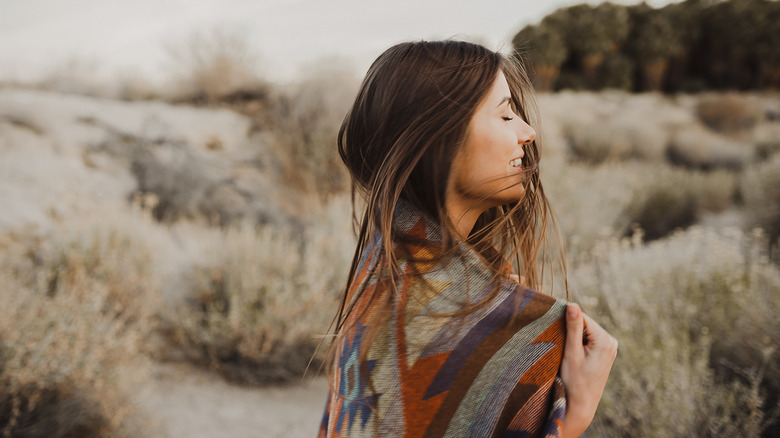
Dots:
pixel 498 91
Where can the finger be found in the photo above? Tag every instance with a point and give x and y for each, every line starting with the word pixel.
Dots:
pixel 598 337
pixel 574 329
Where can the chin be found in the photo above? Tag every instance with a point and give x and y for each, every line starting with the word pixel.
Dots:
pixel 517 193
pixel 512 196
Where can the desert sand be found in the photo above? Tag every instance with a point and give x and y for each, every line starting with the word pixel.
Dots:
pixel 182 401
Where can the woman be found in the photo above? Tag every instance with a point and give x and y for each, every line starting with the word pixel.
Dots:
pixel 436 335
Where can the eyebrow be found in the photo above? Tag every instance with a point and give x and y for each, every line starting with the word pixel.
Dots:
pixel 506 99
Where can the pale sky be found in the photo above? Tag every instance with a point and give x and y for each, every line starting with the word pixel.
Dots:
pixel 130 35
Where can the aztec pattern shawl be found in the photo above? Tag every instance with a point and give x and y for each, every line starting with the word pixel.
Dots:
pixel 489 373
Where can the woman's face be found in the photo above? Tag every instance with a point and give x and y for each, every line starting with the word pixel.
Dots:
pixel 487 171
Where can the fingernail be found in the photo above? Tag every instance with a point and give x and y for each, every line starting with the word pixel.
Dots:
pixel 571 312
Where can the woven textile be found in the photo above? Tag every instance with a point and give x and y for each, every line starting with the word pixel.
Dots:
pixel 489 373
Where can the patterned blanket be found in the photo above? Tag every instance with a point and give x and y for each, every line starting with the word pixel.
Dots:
pixel 429 373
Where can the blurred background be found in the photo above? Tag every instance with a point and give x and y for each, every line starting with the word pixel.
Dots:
pixel 175 228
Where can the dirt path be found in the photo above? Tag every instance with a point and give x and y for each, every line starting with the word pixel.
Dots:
pixel 187 402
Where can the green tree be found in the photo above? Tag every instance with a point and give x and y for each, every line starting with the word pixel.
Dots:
pixel 545 49
pixel 690 45
pixel 654 42
pixel 617 71
pixel 733 32
pixel 767 47
pixel 685 18
pixel 590 33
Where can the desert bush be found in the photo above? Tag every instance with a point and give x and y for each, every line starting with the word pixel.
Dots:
pixel 698 148
pixel 695 315
pixel 663 208
pixel 77 75
pixel 304 122
pixel 729 112
pixel 175 175
pixel 257 309
pixel 597 203
pixel 588 201
pixel 180 181
pixel 617 138
pixel 766 138
pixel 671 198
pixel 206 66
pixel 596 143
pixel 76 310
pixel 714 191
pixel 760 190
pixel 614 126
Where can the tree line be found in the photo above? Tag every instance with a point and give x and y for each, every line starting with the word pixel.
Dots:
pixel 690 46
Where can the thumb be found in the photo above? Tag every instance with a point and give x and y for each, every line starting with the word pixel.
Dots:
pixel 574 329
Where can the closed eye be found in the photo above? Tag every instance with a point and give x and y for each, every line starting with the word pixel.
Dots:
pixel 506 118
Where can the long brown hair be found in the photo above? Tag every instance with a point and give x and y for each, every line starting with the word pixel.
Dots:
pixel 398 140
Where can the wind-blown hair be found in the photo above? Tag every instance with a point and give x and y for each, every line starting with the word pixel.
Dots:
pixel 408 122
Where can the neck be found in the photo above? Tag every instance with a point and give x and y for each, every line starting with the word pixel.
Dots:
pixel 463 216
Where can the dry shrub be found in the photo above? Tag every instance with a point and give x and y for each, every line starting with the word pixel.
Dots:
pixel 760 189
pixel 209 65
pixel 596 203
pixel 588 201
pixel 729 112
pixel 88 76
pixel 714 191
pixel 304 122
pixel 617 139
pixel 132 85
pixel 553 138
pixel 668 198
pixel 614 126
pixel 78 75
pixel 663 208
pixel 697 148
pixel 76 309
pixel 696 319
pixel 766 138
pixel 256 311
pixel 594 143
pixel 181 182
pixel 179 178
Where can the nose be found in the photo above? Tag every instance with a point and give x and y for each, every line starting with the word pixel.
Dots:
pixel 525 133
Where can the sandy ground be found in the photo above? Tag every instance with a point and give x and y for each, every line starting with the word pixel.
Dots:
pixel 183 401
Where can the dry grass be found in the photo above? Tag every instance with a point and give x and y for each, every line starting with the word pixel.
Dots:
pixel 729 112
pixel 617 139
pixel 668 198
pixel 304 123
pixel 596 203
pixel 760 189
pixel 712 131
pixel 695 311
pixel 766 138
pixel 697 148
pixel 696 318
pixel 76 310
pixel 258 307
pixel 207 66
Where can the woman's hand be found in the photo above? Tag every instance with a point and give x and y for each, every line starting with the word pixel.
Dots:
pixel 587 361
